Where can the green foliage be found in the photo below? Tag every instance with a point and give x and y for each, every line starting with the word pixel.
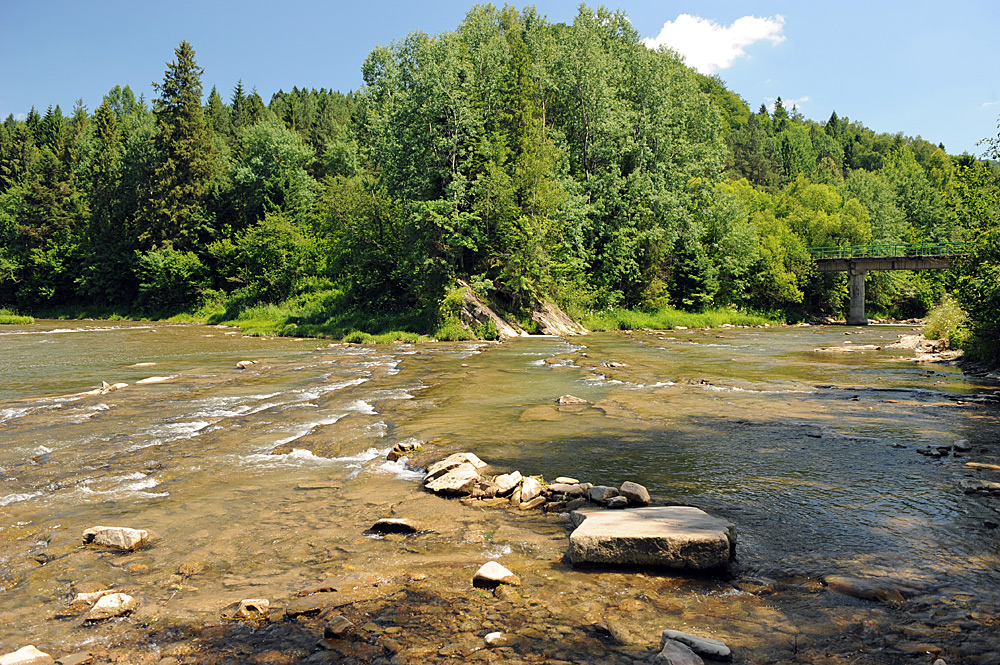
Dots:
pixel 948 321
pixel 169 280
pixel 9 317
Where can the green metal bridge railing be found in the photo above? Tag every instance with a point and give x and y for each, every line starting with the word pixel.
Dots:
pixel 888 250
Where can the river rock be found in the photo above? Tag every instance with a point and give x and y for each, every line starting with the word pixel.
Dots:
pixel 566 480
pixel 392 525
pixel 452 461
pixel 84 601
pixel 491 574
pixel 678 537
pixel 635 493
pixel 564 488
pixel 617 502
pixel 878 590
pixel 962 445
pixel 568 400
pixel 601 493
pixel 28 655
pixel 530 488
pixel 703 646
pixel 112 605
pixel 461 479
pixel 675 653
pixel 404 449
pixel 116 537
pixel 243 364
pixel 974 485
pixel 496 639
pixel 507 481
pixel 252 609
pixel 534 503
pixel 339 627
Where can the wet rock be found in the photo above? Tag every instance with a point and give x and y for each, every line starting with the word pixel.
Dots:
pixel 635 493
pixel 568 400
pixel 611 633
pixel 339 628
pixel 566 480
pixel 485 489
pixel 703 646
pixel 451 462
pixel 575 504
pixel 976 486
pixel 530 488
pixel 496 639
pixel 28 655
pixel 461 479
pixel 933 452
pixel 111 387
pixel 962 445
pixel 243 364
pixel 252 609
pixel 311 604
pixel 601 493
pixel 491 574
pixel 79 658
pixel 189 568
pixel 678 537
pixel 534 503
pixel 404 449
pixel 112 605
pixel 83 601
pixel 116 537
pixel 564 488
pixel 675 653
pixel 508 481
pixel 392 525
pixel 982 465
pixel 617 502
pixel 877 590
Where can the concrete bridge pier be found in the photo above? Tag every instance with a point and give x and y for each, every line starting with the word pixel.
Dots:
pixel 856 315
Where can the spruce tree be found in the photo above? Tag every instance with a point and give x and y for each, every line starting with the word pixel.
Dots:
pixel 176 214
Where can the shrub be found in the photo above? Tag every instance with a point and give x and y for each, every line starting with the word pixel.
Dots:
pixel 948 321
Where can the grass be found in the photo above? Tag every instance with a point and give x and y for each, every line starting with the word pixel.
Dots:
pixel 8 317
pixel 667 318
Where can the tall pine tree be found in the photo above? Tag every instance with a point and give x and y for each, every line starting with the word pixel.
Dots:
pixel 176 215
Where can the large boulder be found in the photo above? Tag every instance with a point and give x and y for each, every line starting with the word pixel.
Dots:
pixel 452 461
pixel 461 479
pixel 675 653
pixel 28 655
pixel 678 537
pixel 116 537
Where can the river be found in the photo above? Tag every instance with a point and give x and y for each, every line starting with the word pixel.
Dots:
pixel 259 482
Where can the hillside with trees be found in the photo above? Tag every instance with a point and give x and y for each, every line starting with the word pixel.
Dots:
pixel 535 161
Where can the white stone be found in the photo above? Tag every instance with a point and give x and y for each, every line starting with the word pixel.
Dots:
pixel 530 488
pixel 492 573
pixel 679 537
pixel 675 653
pixel 253 609
pixel 495 639
pixel 118 537
pixel 703 646
pixel 450 462
pixel 28 655
pixel 507 481
pixel 459 480
pixel 112 605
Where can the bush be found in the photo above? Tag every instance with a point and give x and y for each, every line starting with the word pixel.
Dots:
pixel 7 317
pixel 169 280
pixel 948 321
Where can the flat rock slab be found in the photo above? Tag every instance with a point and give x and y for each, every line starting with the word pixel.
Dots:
pixel 678 537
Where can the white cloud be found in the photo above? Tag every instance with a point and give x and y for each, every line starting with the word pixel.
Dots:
pixel 790 102
pixel 985 104
pixel 19 116
pixel 708 46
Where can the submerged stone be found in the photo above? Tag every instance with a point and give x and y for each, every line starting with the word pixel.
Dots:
pixel 253 609
pixel 392 525
pixel 678 537
pixel 112 605
pixel 491 574
pixel 116 537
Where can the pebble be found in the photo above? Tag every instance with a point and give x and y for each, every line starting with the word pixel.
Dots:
pixel 28 655
pixel 491 573
pixel 112 605
pixel 252 609
pixel 496 639
pixel 339 628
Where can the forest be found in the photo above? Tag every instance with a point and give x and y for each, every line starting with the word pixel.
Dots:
pixel 534 161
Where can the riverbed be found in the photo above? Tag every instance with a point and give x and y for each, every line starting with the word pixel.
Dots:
pixel 261 482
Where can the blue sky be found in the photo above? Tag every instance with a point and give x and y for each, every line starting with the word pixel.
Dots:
pixel 922 68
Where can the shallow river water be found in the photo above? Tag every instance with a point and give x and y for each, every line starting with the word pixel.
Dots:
pixel 261 482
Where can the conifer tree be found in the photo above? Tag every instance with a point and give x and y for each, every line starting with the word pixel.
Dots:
pixel 176 215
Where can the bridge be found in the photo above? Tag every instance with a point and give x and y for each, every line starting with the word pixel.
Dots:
pixel 857 260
